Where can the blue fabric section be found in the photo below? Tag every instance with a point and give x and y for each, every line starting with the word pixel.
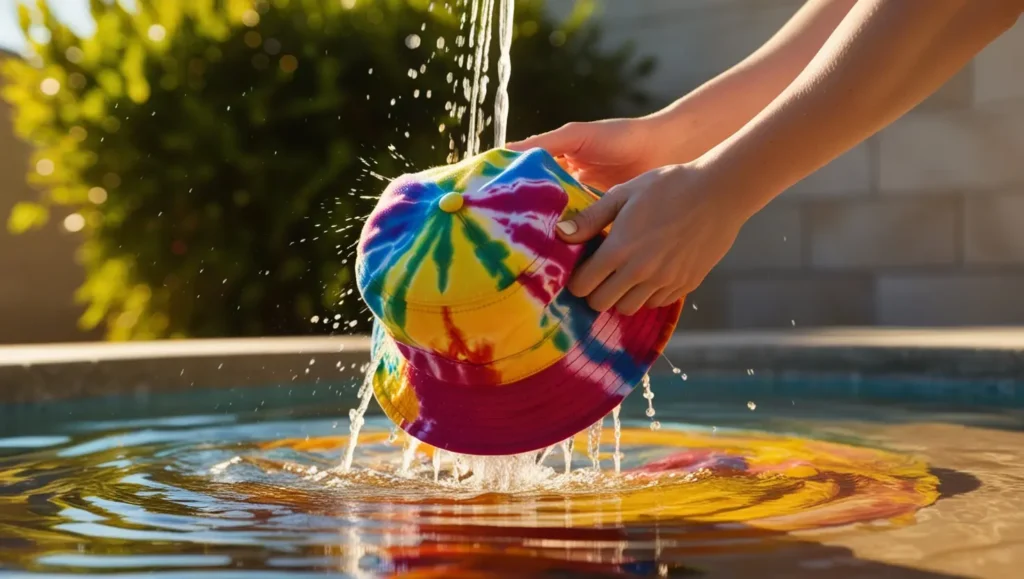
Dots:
pixel 398 228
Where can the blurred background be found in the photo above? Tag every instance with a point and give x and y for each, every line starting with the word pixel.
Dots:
pixel 199 168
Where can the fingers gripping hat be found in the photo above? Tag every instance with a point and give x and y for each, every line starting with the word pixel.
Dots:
pixel 478 347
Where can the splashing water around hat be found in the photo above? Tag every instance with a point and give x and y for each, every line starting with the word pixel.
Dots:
pixel 478 348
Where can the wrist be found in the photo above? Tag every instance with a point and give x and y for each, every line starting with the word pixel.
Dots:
pixel 741 183
pixel 681 132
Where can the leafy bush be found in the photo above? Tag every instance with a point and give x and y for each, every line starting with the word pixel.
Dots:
pixel 223 152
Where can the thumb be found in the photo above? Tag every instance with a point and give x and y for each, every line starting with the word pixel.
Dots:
pixel 589 222
pixel 566 140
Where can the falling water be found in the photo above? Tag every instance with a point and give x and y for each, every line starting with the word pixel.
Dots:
pixel 505 18
pixel 649 395
pixel 547 452
pixel 594 444
pixel 437 463
pixel 356 419
pixel 408 454
pixel 567 448
pixel 617 457
pixel 480 41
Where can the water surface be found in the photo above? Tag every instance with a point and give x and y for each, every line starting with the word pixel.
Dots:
pixel 245 483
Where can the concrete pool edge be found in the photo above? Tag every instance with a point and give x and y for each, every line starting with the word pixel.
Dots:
pixel 38 373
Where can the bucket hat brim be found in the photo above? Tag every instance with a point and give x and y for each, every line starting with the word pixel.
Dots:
pixel 532 413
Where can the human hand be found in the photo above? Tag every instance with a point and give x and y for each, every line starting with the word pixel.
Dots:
pixel 606 153
pixel 671 226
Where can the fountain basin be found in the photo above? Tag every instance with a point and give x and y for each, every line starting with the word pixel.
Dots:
pixel 855 452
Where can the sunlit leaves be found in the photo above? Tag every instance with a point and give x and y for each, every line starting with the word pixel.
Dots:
pixel 217 154
pixel 26 216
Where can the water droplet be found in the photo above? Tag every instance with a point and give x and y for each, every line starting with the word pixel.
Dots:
pixel 655 425
pixel 650 412
pixel 752 405
pixel 412 41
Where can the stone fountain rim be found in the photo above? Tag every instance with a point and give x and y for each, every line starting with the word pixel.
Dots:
pixel 41 373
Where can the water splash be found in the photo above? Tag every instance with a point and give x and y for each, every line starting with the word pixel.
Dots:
pixel 479 36
pixel 436 460
pixel 502 473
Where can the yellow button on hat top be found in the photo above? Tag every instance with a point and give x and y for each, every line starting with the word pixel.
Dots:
pixel 450 202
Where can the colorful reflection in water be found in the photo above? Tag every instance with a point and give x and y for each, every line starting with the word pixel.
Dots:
pixel 231 498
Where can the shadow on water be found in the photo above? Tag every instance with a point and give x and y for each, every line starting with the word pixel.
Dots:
pixel 954 483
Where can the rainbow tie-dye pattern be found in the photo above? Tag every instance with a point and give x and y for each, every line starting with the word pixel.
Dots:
pixel 478 347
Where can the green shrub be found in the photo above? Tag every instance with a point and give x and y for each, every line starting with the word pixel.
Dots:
pixel 223 152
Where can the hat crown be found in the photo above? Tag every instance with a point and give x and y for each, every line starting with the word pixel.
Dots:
pixel 467 237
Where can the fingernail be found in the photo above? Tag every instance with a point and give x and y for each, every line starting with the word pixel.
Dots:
pixel 567 227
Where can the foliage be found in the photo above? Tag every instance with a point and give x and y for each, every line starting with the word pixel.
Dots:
pixel 223 152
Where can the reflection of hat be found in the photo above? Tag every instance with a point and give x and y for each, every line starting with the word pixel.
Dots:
pixel 477 346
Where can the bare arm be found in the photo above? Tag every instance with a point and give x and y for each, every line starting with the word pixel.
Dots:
pixel 673 224
pixel 611 152
pixel 724 104
pixel 886 57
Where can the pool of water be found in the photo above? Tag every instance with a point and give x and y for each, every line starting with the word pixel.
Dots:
pixel 245 483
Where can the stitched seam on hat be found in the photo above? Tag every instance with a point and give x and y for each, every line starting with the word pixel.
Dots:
pixel 587 342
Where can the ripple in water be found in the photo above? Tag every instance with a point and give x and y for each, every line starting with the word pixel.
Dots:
pixel 240 497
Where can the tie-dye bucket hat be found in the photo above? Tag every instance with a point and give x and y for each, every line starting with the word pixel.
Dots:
pixel 478 348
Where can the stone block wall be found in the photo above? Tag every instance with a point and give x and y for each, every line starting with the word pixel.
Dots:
pixel 38 272
pixel 921 225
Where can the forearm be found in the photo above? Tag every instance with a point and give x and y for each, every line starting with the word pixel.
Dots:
pixel 886 57
pixel 723 105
